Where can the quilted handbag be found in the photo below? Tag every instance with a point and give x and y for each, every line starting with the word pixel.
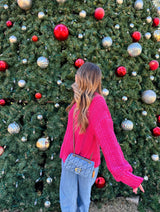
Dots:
pixel 78 164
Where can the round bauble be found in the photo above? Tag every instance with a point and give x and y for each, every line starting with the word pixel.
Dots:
pixel 131 25
pixel 59 82
pixel 107 42
pixel 151 77
pixel 127 125
pixel 153 65
pixel 134 73
pixel 5 6
pixel 24 28
pixel 121 71
pixel 23 139
pixel 56 105
pixel 156 35
pixel 21 83
pixel 124 98
pixel 61 32
pixel 24 4
pixel 82 13
pixel 134 49
pixel 149 19
pixel 2 102
pixel 105 92
pixel 138 5
pixel 100 182
pixel 155 157
pixel 49 180
pixel 24 61
pixel 38 95
pixel 1 150
pixel 41 15
pixel 34 38
pixel 79 62
pixel 60 1
pixel 42 62
pixel 119 1
pixel 39 117
pixel 13 39
pixel 144 113
pixel 42 144
pixel 47 204
pixel 147 35
pixel 3 65
pixel 156 131
pixel 158 11
pixel 117 26
pixel 149 96
pixel 9 24
pixel 136 36
pixel 80 36
pixel 155 21
pixel 99 13
pixel 157 56
pixel 13 128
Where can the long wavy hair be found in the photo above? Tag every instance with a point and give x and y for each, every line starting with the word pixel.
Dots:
pixel 88 82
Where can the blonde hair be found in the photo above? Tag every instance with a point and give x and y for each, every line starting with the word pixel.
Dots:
pixel 88 82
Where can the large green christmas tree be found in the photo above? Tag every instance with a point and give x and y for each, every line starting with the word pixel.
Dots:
pixel 36 74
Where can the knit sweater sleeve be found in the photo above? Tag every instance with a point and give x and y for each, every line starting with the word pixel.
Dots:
pixel 103 128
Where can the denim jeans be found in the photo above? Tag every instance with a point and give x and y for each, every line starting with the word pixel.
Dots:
pixel 75 191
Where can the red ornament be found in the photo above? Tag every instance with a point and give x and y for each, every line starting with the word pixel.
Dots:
pixel 158 119
pixel 99 13
pixel 156 131
pixel 34 38
pixel 136 36
pixel 2 102
pixel 154 64
pixel 38 95
pixel 155 21
pixel 100 182
pixel 121 71
pixel 79 62
pixel 3 65
pixel 61 32
pixel 1 150
pixel 9 24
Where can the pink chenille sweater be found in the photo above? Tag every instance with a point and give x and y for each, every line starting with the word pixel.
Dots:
pixel 99 133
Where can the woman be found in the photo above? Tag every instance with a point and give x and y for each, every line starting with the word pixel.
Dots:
pixel 93 129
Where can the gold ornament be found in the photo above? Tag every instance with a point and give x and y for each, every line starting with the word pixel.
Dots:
pixel 42 144
pixel 156 35
pixel 24 4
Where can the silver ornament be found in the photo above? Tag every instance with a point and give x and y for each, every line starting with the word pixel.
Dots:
pixel 43 144
pixel 59 82
pixel 156 35
pixel 131 25
pixel 24 61
pixel 24 28
pixel 158 11
pixel 56 105
pixel 105 92
pixel 149 96
pixel 41 15
pixel 134 49
pixel 13 128
pixel 82 14
pixel 119 1
pixel 152 78
pixel 155 157
pixel 124 98
pixel 24 4
pixel 146 178
pixel 144 113
pixel 5 6
pixel 49 180
pixel 107 42
pixel 47 204
pixel 23 139
pixel 80 36
pixel 39 117
pixel 127 125
pixel 157 56
pixel 138 5
pixel 117 26
pixel 60 1
pixel 13 39
pixel 149 19
pixel 134 73
pixel 148 10
pixel 42 62
pixel 21 83
pixel 147 35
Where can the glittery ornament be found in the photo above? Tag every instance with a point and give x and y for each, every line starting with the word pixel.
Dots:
pixel 149 19
pixel 41 15
pixel 13 39
pixel 23 139
pixel 117 26
pixel 107 42
pixel 134 73
pixel 24 4
pixel 156 35
pixel 24 28
pixel 49 180
pixel 149 96
pixel 61 32
pixel 105 92
pixel 39 117
pixel 47 204
pixel 99 13
pixel 124 98
pixel 42 62
pixel 79 62
pixel 147 35
pixel 21 83
pixel 144 113
pixel 127 125
pixel 155 157
pixel 138 5
pixel 82 14
pixel 119 1
pixel 13 128
pixel 42 144
pixel 134 49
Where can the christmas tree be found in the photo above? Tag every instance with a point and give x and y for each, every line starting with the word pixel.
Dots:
pixel 42 43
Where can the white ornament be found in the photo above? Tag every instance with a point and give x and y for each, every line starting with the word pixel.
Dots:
pixel 148 19
pixel 149 96
pixel 24 4
pixel 41 15
pixel 23 139
pixel 127 125
pixel 105 92
pixel 131 25
pixel 82 14
pixel 21 83
pixel 152 78
pixel 119 1
pixel 49 180
pixel 107 42
pixel 146 178
pixel 155 157
pixel 42 62
pixel 144 113
pixel 24 61
pixel 13 39
pixel 134 73
pixel 134 49
pixel 117 26
pixel 47 204
pixel 138 5
pixel 5 6
pixel 124 98
pixel 39 117
pixel 24 28
pixel 59 82
pixel 13 128
pixel 147 35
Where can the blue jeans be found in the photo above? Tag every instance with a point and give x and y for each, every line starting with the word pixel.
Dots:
pixel 75 191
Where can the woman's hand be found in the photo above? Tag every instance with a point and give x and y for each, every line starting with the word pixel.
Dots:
pixel 141 188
